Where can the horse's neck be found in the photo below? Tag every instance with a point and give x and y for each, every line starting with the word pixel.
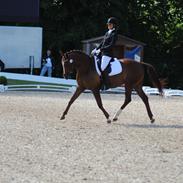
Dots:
pixel 83 63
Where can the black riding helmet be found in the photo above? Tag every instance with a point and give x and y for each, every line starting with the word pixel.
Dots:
pixel 112 20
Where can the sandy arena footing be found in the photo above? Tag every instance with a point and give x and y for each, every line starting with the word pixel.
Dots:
pixel 36 147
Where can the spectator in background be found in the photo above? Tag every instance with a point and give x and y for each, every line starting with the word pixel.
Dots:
pixel 47 64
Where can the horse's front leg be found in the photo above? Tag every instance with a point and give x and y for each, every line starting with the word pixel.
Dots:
pixel 96 93
pixel 78 91
pixel 128 91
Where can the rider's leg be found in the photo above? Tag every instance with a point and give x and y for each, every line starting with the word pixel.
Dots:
pixel 105 62
pixel 104 74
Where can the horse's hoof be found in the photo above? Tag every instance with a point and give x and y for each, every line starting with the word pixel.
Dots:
pixel 108 121
pixel 152 120
pixel 115 119
pixel 62 118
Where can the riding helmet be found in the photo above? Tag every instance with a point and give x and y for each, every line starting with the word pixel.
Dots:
pixel 112 20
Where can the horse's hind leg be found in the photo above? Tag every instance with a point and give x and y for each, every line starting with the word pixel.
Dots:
pixel 144 98
pixel 97 96
pixel 128 91
pixel 73 98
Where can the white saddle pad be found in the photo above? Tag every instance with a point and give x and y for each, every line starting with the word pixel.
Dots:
pixel 116 67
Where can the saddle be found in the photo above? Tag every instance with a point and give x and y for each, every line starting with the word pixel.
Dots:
pixel 114 66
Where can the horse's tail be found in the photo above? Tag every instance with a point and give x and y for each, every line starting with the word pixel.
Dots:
pixel 158 83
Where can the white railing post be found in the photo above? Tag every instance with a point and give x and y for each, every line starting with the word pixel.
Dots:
pixel 31 64
pixel 2 88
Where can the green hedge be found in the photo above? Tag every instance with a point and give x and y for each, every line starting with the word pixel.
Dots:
pixel 3 80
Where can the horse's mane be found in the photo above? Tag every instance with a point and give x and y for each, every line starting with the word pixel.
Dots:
pixel 76 51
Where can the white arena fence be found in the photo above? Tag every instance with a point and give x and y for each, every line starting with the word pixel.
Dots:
pixel 71 89
pixel 40 87
pixel 63 85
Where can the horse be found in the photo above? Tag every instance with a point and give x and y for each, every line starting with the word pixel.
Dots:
pixel 131 77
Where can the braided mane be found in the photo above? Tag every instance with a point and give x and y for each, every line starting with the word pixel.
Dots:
pixel 78 51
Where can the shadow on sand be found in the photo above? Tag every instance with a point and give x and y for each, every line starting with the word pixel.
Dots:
pixel 150 126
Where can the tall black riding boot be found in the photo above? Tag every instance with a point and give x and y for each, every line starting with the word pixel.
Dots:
pixel 105 81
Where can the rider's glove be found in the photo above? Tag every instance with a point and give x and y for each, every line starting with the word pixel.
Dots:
pixel 93 51
pixel 97 52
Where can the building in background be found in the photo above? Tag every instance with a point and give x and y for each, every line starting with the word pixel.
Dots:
pixel 21 48
pixel 125 47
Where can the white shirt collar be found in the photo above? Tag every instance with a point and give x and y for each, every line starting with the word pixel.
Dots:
pixel 109 31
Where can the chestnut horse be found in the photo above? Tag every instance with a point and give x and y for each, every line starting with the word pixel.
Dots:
pixel 132 77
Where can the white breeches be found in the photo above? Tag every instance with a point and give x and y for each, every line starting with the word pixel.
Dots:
pixel 105 62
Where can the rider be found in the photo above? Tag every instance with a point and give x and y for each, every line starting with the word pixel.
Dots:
pixel 106 47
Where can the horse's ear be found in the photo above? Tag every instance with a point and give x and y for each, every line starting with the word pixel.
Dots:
pixel 66 55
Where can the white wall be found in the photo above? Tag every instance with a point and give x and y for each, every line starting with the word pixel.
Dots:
pixel 43 79
pixel 18 43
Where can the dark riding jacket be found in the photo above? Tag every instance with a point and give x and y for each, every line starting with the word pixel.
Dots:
pixel 106 46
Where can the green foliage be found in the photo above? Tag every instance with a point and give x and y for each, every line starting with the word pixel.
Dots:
pixel 3 80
